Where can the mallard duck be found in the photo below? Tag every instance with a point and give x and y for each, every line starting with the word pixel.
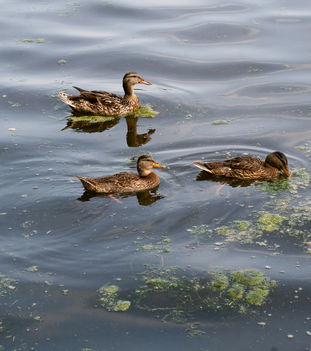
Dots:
pixel 126 182
pixel 103 103
pixel 248 167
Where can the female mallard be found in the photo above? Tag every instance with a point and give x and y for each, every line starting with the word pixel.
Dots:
pixel 126 182
pixel 248 167
pixel 102 103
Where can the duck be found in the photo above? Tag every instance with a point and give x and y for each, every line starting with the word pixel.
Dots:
pixel 103 103
pixel 126 182
pixel 248 167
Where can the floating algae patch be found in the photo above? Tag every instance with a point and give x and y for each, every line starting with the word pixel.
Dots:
pixel 220 281
pixel 7 285
pixel 201 229
pixel 91 119
pixel 244 290
pixel 219 122
pixel 270 222
pixel 108 298
pixel 177 295
pixel 242 225
pixel 247 232
pixel 299 179
pixel 159 247
pixel 285 214
pixel 144 111
pixel 248 277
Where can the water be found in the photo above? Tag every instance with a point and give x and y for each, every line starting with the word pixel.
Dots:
pixel 243 64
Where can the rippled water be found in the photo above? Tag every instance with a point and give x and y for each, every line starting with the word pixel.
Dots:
pixel 228 78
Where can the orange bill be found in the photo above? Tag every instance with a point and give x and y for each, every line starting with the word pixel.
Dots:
pixel 144 82
pixel 286 172
pixel 158 165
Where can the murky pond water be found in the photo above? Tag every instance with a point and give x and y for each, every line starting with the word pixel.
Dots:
pixel 190 265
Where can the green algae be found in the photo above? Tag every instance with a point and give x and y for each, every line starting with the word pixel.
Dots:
pixel 38 41
pixel 244 290
pixel 236 292
pixel 176 295
pixel 299 179
pixel 91 119
pixel 257 296
pixel 108 298
pixel 248 277
pixel 242 225
pixel 7 285
pixel 286 213
pixel 201 229
pixel 161 246
pixel 270 222
pixel 143 111
pixel 220 281
pixel 219 122
pixel 122 305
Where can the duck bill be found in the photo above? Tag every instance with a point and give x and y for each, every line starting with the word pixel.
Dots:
pixel 286 172
pixel 158 165
pixel 145 82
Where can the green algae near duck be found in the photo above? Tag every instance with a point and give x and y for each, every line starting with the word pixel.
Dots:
pixel 285 213
pixel 143 112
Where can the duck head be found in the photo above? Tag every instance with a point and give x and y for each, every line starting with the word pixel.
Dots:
pixel 130 79
pixel 145 163
pixel 278 160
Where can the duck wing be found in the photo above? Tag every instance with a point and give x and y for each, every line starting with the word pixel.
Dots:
pixel 98 95
pixel 247 163
pixel 238 167
pixel 119 183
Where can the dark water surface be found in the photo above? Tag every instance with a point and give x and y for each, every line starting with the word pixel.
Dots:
pixel 228 78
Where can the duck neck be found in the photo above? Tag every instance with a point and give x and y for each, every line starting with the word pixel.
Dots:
pixel 144 172
pixel 128 89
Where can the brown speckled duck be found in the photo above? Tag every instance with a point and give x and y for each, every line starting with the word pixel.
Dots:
pixel 103 103
pixel 248 167
pixel 126 182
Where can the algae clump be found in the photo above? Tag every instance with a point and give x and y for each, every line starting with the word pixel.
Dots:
pixel 270 222
pixel 176 295
pixel 220 281
pixel 108 298
pixel 257 296
pixel 236 292
pixel 248 277
pixel 242 225
pixel 143 111
pixel 7 285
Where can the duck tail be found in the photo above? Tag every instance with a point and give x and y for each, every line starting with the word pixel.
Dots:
pixel 79 89
pixel 202 166
pixel 87 183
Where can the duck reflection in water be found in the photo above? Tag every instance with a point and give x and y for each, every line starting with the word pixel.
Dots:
pixel 144 198
pixel 133 139
pixel 90 126
pixel 230 181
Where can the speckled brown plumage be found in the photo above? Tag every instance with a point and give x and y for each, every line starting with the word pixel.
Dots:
pixel 103 103
pixel 248 167
pixel 126 182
